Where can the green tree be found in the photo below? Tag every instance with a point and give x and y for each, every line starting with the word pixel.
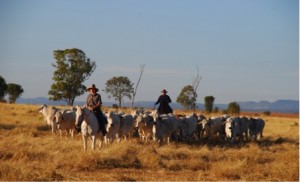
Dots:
pixel 14 91
pixel 187 97
pixel 209 103
pixel 3 88
pixel 233 108
pixel 72 69
pixel 119 87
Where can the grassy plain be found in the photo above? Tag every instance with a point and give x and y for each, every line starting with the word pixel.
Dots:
pixel 28 151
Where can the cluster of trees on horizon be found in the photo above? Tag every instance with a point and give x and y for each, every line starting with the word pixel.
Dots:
pixel 13 91
pixel 73 67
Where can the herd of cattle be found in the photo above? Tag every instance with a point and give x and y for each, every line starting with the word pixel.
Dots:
pixel 152 126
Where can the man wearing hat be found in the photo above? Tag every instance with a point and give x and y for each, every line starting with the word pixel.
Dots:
pixel 94 103
pixel 163 101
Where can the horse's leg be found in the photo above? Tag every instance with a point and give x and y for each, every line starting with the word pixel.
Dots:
pixel 168 140
pixel 71 132
pixel 106 140
pixel 84 137
pixel 53 129
pixel 117 137
pixel 94 142
pixel 60 133
pixel 101 141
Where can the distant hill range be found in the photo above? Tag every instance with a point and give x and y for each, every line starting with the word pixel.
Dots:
pixel 285 106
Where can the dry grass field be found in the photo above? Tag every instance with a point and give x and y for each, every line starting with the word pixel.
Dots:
pixel 28 151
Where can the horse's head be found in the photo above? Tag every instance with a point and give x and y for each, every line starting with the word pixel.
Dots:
pixel 82 114
pixel 79 116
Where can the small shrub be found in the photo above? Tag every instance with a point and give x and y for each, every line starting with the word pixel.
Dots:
pixel 115 106
pixel 267 113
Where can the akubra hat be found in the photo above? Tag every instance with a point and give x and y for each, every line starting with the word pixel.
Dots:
pixel 93 87
pixel 164 91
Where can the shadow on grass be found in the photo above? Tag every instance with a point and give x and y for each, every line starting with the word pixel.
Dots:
pixel 278 141
pixel 265 142
pixel 7 126
pixel 43 128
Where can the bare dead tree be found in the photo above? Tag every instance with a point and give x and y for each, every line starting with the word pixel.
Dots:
pixel 137 84
pixel 195 85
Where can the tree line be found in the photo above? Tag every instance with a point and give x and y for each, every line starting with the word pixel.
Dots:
pixel 73 68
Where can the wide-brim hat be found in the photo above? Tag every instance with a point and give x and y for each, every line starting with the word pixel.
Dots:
pixel 93 87
pixel 164 91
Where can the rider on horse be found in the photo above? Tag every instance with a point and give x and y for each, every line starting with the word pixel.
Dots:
pixel 94 103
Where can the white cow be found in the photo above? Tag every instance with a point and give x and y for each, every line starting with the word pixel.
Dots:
pixel 49 116
pixel 237 127
pixel 112 127
pixel 164 127
pixel 65 120
pixel 126 126
pixel 232 128
pixel 188 127
pixel 256 128
pixel 144 125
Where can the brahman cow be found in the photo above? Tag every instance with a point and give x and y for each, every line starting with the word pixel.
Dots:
pixel 144 125
pixel 165 126
pixel 232 128
pixel 188 127
pixel 112 127
pixel 244 127
pixel 213 126
pixel 65 120
pixel 237 127
pixel 256 128
pixel 126 126
pixel 49 116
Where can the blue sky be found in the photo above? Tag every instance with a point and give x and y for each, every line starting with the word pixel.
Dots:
pixel 246 50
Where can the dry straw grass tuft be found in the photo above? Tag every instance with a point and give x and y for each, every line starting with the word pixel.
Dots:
pixel 28 151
